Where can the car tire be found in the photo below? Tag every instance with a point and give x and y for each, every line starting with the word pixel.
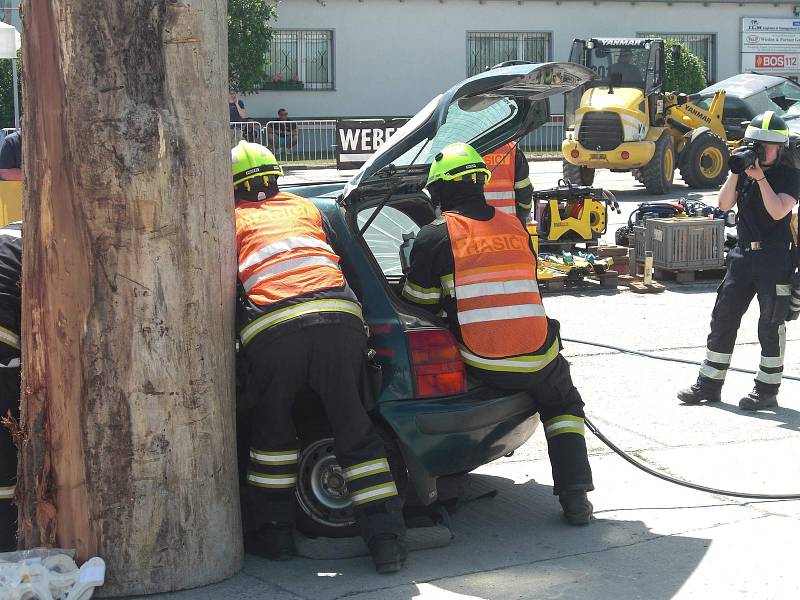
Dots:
pixel 323 507
pixel 704 163
pixel 658 173
pixel 577 175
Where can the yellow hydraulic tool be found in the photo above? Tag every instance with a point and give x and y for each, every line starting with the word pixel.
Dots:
pixel 573 213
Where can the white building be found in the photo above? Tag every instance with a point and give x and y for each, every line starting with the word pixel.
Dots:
pixel 388 57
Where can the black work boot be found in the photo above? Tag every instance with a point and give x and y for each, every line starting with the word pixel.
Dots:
pixel 273 541
pixel 577 508
pixel 756 400
pixel 388 553
pixel 697 393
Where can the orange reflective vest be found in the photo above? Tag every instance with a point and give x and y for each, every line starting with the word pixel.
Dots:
pixel 283 250
pixel 499 309
pixel 499 191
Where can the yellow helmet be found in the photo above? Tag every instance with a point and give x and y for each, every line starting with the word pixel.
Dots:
pixel 249 160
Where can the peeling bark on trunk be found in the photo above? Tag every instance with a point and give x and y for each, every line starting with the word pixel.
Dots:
pixel 128 291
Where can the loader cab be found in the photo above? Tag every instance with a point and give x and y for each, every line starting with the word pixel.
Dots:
pixel 622 63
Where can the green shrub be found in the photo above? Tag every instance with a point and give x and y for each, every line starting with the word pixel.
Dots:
pixel 687 74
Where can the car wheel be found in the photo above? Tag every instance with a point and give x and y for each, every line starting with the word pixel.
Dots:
pixel 577 175
pixel 323 502
pixel 705 162
pixel 658 173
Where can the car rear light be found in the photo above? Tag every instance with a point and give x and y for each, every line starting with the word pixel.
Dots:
pixel 437 364
pixel 625 155
pixel 575 154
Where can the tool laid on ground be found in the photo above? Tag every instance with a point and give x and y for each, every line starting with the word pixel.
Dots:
pixel 667 209
pixel 639 465
pixel 572 213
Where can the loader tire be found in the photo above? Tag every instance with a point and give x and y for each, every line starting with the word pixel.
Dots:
pixel 658 173
pixel 704 163
pixel 578 175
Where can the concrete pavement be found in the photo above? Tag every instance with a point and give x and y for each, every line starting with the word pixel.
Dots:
pixel 651 540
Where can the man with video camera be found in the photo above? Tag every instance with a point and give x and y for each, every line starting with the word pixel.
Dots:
pixel 761 264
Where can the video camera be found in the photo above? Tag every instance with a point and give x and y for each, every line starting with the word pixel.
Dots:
pixel 740 161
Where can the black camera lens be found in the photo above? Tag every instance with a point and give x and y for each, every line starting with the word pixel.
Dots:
pixel 739 162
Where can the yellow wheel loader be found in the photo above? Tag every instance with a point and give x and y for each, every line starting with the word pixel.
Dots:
pixel 623 120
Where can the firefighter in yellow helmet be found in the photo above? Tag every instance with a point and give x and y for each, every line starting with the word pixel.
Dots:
pixel 476 263
pixel 301 326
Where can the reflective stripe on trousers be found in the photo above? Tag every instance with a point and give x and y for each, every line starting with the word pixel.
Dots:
pixel 298 310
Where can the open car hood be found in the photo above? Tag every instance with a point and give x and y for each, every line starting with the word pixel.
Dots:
pixel 486 111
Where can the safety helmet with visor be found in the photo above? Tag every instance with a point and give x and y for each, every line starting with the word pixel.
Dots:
pixel 250 161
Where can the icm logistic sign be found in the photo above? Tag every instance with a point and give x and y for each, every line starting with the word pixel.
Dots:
pixel 357 140
pixel 770 45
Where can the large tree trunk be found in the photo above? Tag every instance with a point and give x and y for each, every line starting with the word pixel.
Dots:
pixel 128 291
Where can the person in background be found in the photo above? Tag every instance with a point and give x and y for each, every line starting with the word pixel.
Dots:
pixel 283 135
pixel 236 107
pixel 11 157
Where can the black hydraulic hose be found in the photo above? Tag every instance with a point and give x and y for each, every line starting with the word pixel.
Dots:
pixel 639 465
pixel 666 358
pixel 681 482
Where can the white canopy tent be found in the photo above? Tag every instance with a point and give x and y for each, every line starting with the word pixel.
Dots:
pixel 10 42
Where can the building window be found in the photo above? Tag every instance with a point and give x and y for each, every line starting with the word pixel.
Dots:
pixel 488 48
pixel 300 60
pixel 704 45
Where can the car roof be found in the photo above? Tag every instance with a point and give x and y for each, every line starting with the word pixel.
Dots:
pixel 743 85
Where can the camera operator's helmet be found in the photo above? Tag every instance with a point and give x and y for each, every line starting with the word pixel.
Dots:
pixel 767 128
pixel 455 161
pixel 250 161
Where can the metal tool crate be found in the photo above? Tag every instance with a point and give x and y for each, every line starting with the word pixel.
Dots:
pixel 682 244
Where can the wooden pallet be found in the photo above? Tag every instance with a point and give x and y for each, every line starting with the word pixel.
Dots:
pixel 687 275
pixel 607 280
pixel 638 286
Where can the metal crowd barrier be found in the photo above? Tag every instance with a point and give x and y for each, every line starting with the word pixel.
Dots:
pixel 308 142
pixel 313 142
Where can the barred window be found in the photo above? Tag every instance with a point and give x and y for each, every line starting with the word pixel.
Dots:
pixel 300 60
pixel 488 48
pixel 703 45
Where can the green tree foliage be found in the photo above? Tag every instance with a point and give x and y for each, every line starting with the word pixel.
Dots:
pixel 6 91
pixel 687 74
pixel 249 37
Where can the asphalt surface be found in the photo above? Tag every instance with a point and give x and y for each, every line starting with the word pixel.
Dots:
pixel 650 540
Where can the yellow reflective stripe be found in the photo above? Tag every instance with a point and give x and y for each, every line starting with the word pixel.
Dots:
pixel 285 481
pixel 517 364
pixel 292 312
pixel 783 290
pixel 371 467
pixel 274 458
pixel 712 373
pixel 718 357
pixel 7 493
pixel 500 313
pixel 448 285
pixel 770 378
pixel 376 492
pixel 419 294
pixel 9 337
pixel 771 362
pixel 524 206
pixel 518 185
pixel 563 424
